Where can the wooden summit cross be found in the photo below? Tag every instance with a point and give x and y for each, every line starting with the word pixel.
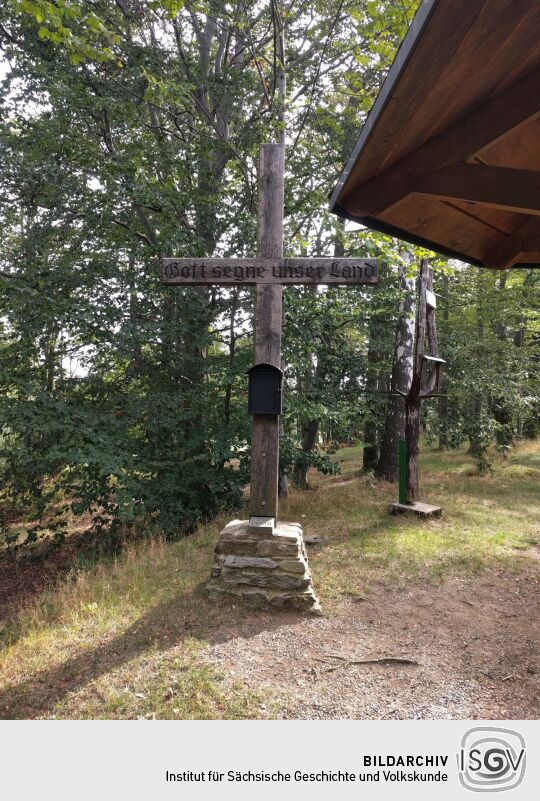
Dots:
pixel 269 272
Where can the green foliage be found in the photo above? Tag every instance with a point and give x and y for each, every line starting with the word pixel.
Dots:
pixel 130 131
pixel 293 458
pixel 488 331
pixel 73 26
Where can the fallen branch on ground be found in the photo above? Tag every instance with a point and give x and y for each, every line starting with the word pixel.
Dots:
pixel 385 660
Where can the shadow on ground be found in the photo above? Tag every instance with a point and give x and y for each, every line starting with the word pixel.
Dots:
pixel 156 630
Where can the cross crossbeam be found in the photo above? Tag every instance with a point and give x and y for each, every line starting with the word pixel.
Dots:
pixel 260 270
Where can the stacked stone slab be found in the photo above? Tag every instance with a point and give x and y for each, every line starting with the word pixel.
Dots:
pixel 263 566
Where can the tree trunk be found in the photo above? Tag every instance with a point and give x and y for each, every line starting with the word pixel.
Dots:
pixel 339 234
pixel 50 364
pixel 283 482
pixel 402 368
pixel 371 452
pixel 425 330
pixel 443 399
pixel 413 401
pixel 443 427
pixel 136 354
pixel 310 431
pixel 232 349
pixel 476 447
pixel 412 438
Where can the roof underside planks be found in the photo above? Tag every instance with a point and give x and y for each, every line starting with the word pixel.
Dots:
pixel 449 157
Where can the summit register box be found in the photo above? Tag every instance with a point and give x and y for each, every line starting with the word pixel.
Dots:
pixel 265 390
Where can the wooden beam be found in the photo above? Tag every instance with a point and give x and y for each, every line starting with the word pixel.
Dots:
pixel 523 245
pixel 486 125
pixel 262 270
pixel 268 323
pixel 521 257
pixel 499 187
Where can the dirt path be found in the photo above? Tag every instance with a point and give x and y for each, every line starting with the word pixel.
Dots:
pixel 475 641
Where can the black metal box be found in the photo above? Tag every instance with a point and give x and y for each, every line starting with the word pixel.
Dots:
pixel 264 389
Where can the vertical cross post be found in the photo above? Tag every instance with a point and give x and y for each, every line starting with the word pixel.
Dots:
pixel 268 314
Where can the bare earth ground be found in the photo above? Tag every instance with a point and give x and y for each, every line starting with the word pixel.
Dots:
pixel 476 644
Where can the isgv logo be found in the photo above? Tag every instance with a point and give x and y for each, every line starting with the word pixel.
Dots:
pixel 491 759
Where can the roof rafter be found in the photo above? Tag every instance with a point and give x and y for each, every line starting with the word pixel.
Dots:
pixel 499 187
pixel 488 124
pixel 523 245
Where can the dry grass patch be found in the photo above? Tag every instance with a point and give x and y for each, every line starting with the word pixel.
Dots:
pixel 122 640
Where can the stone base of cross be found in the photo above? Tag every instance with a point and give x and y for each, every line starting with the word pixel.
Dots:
pixel 239 554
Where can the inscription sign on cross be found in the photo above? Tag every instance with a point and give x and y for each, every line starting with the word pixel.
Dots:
pixel 268 272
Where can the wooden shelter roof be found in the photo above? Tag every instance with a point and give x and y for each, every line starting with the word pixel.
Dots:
pixel 449 156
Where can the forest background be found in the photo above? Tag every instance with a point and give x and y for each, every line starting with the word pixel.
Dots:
pixel 130 131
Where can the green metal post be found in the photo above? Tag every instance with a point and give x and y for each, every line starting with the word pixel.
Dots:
pixel 402 471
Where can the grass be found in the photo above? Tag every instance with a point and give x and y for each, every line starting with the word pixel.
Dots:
pixel 122 640
pixel 487 521
pixel 127 639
